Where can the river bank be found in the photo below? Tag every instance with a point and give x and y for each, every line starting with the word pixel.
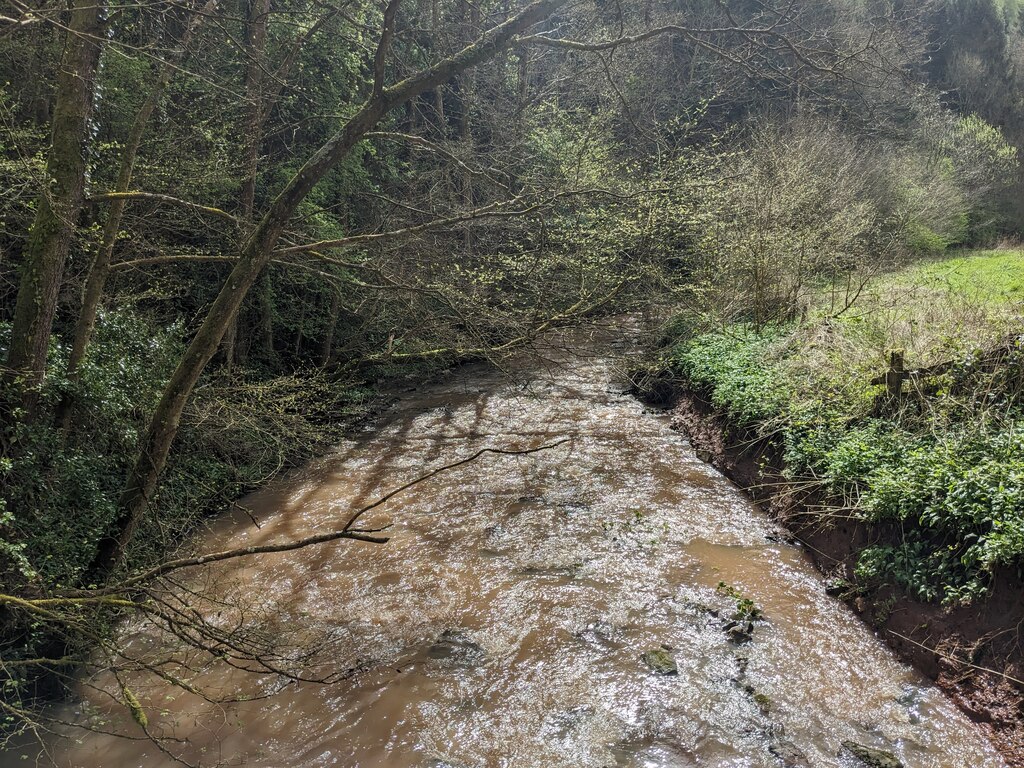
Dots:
pixel 972 652
pixel 570 607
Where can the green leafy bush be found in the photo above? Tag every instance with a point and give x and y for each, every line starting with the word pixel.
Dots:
pixel 963 495
pixel 942 473
pixel 736 369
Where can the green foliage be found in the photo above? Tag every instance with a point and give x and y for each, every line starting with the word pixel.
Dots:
pixel 746 609
pixel 989 277
pixel 61 493
pixel 842 453
pixel 923 240
pixel 735 368
pixel 58 493
pixel 963 497
pixel 942 475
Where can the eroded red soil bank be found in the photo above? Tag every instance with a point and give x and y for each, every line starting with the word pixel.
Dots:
pixel 974 653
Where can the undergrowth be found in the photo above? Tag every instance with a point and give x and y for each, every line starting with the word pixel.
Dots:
pixel 59 487
pixel 942 467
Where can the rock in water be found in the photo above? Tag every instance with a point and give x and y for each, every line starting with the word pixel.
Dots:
pixel 456 646
pixel 875 758
pixel 838 588
pixel 790 756
pixel 739 632
pixel 660 661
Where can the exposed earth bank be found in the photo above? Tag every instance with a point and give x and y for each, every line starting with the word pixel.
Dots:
pixel 974 653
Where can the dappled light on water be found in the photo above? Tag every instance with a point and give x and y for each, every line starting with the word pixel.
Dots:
pixel 562 608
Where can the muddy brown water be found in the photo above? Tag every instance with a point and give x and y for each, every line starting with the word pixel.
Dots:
pixel 504 623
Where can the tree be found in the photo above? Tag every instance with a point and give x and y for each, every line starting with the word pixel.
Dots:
pixel 772 42
pixel 100 269
pixel 58 204
pixel 258 249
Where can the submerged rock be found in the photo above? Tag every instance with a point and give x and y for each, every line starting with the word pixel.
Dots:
pixel 763 701
pixel 660 661
pixel 455 645
pixel 600 634
pixel 529 500
pixel 789 755
pixel 870 756
pixel 739 632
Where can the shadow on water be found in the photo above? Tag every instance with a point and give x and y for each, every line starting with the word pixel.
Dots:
pixel 556 609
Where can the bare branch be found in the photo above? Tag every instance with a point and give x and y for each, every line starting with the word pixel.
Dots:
pixel 348 531
pixel 208 209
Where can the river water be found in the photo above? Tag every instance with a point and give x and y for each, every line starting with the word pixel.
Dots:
pixel 506 621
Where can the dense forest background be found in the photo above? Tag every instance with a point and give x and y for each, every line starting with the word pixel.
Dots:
pixel 227 227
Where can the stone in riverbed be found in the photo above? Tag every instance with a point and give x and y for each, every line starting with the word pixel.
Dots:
pixel 840 588
pixel 455 646
pixel 599 634
pixel 870 756
pixel 660 661
pixel 739 632
pixel 790 756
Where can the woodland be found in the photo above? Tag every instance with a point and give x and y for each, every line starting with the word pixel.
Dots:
pixel 230 228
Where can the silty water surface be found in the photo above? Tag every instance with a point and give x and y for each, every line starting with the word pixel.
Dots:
pixel 504 623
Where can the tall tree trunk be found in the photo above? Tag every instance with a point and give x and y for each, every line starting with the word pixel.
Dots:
pixel 435 35
pixel 266 315
pixel 59 204
pixel 299 331
pixel 100 270
pixel 259 11
pixel 258 249
pixel 327 345
pixel 470 21
pixel 252 134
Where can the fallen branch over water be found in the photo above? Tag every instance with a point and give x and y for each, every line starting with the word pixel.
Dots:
pixel 183 621
pixel 348 531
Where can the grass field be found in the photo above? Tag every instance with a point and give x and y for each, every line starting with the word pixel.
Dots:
pixel 934 309
pixel 992 276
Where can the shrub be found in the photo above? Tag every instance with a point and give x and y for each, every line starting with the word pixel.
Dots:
pixel 963 495
pixel 943 472
pixel 736 370
pixel 58 493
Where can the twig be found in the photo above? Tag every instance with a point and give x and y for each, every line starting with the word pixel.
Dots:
pixel 955 660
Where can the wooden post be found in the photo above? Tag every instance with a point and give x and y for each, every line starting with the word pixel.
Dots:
pixel 895 375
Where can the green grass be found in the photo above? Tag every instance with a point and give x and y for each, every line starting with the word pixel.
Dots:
pixel 994 277
pixel 933 309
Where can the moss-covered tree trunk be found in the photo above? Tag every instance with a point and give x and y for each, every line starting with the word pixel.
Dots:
pixel 59 204
pixel 99 271
pixel 259 247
